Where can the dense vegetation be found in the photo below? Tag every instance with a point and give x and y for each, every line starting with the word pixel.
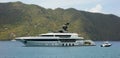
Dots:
pixel 18 19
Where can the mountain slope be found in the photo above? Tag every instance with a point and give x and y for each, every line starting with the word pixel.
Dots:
pixel 18 19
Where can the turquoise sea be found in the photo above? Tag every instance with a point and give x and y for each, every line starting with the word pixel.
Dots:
pixel 14 49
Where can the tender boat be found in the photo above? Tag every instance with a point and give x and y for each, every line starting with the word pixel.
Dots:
pixel 106 44
pixel 60 38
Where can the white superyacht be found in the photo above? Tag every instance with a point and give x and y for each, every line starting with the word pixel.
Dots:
pixel 61 38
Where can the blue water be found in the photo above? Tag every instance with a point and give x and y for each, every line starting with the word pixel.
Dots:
pixel 10 49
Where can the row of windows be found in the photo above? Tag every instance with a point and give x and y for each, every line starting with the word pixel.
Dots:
pixel 62 40
pixel 56 35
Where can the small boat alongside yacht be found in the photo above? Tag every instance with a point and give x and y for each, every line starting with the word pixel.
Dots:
pixel 106 44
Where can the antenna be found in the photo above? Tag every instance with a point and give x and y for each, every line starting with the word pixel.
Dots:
pixel 64 28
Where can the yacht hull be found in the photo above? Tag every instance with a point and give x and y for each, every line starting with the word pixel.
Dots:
pixel 54 43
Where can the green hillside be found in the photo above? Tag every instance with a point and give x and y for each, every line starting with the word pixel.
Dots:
pixel 19 19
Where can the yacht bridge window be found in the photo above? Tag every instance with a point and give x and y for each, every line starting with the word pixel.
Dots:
pixel 64 36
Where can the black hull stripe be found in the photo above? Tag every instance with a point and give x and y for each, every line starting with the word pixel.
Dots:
pixel 62 40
